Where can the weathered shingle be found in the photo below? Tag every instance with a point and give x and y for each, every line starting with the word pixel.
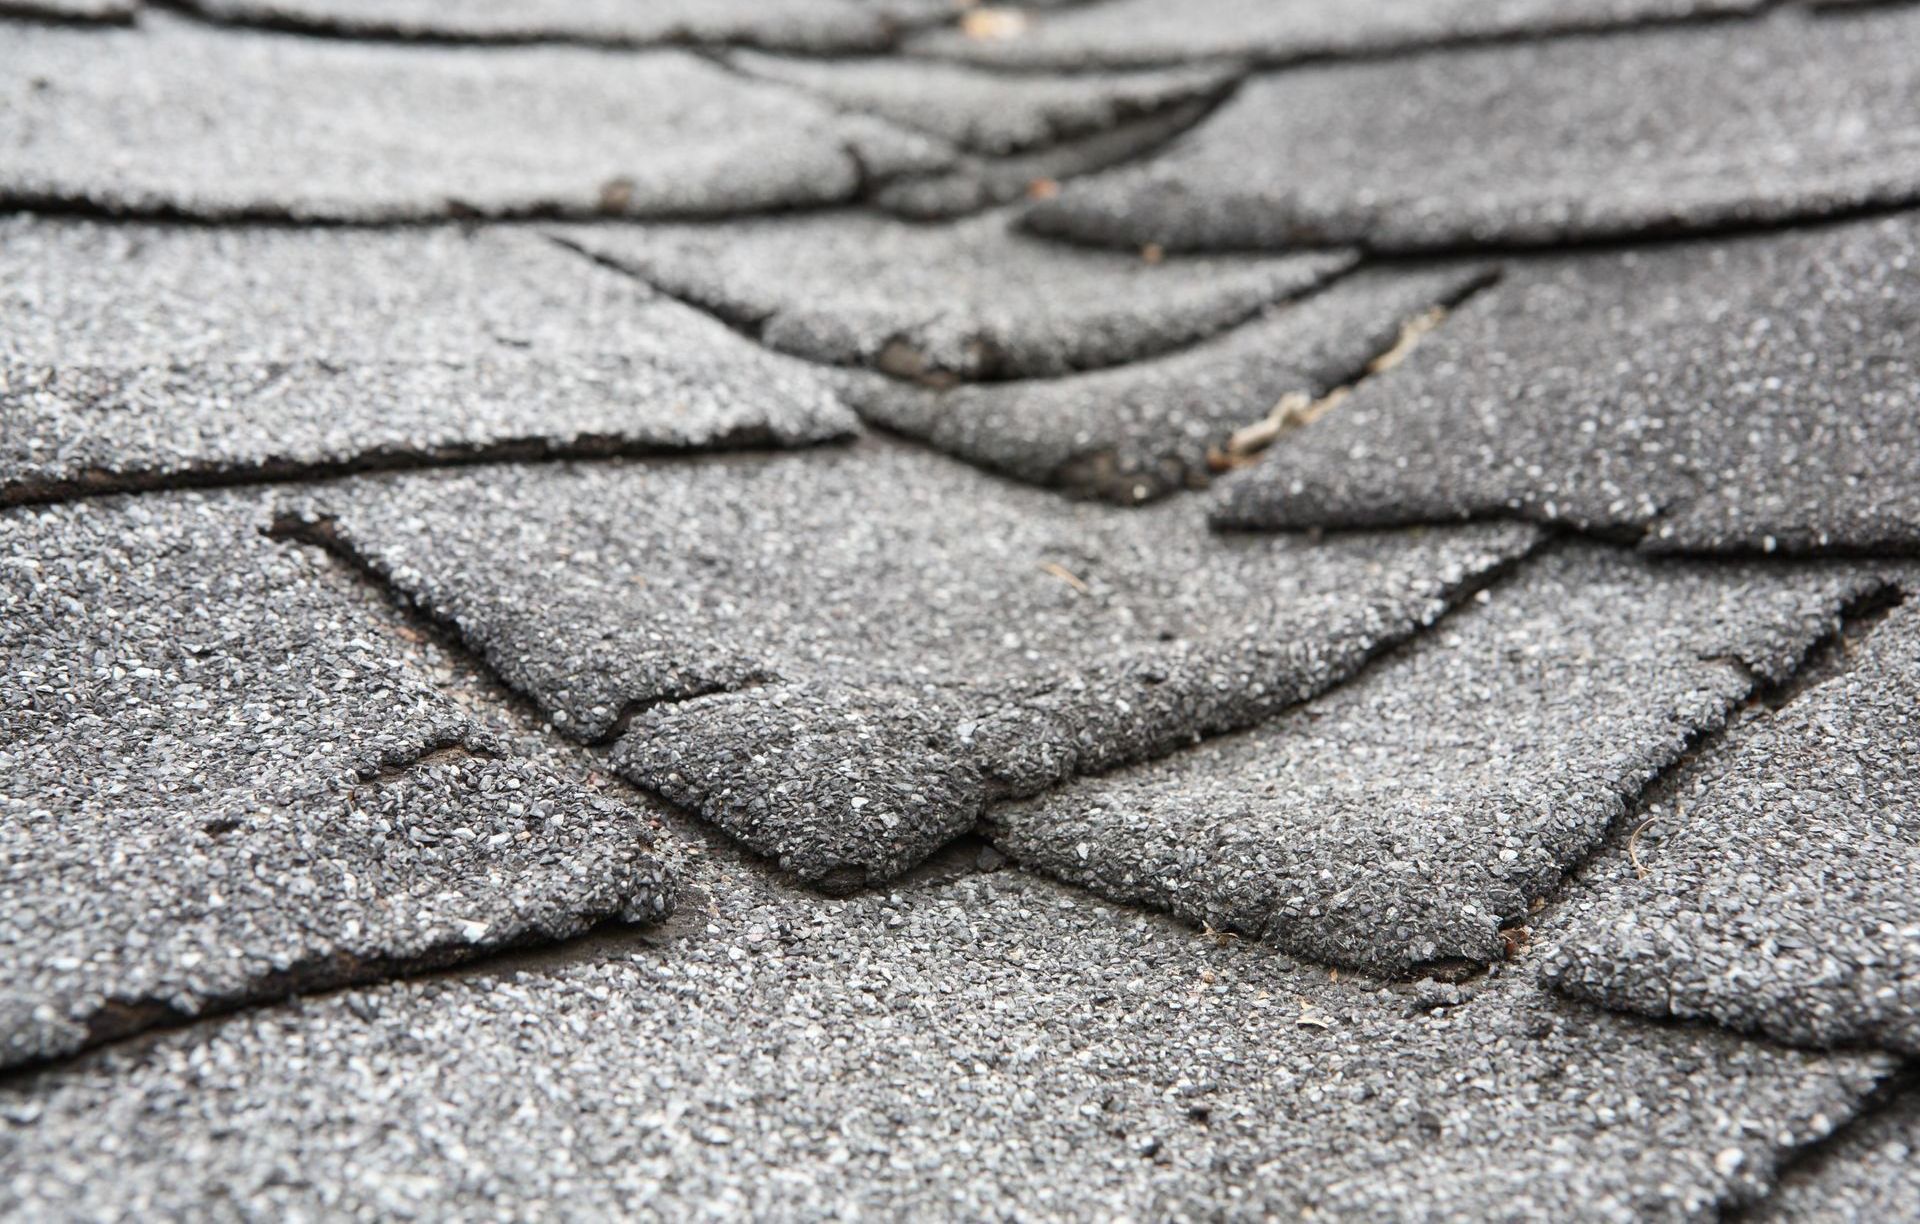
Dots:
pixel 220 779
pixel 1410 815
pixel 1782 894
pixel 1634 134
pixel 840 656
pixel 139 355
pixel 975 299
pixel 996 1048
pixel 180 119
pixel 1756 394
pixel 1148 428
pixel 1147 32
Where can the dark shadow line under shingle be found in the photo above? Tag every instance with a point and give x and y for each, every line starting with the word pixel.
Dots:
pixel 1826 657
pixel 1809 1158
pixel 347 29
pixel 518 451
pixel 752 326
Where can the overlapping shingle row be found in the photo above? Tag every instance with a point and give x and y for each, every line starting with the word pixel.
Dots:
pixel 1634 749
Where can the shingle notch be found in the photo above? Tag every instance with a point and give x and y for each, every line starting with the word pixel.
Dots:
pixel 840 656
pixel 1781 895
pixel 1409 816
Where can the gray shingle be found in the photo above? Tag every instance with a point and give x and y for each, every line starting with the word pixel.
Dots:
pixel 1782 896
pixel 1409 816
pixel 886 639
pixel 1613 136
pixel 998 1048
pixel 220 779
pixel 1142 430
pixel 1753 394
pixel 990 113
pixel 134 354
pixel 1872 1172
pixel 175 118
pixel 975 299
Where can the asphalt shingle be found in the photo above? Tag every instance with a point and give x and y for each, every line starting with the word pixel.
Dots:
pixel 1758 394
pixel 996 1048
pixel 974 299
pixel 885 639
pixel 1782 895
pixel 220 779
pixel 1537 143
pixel 1139 431
pixel 990 113
pixel 135 355
pixel 181 119
pixel 1411 815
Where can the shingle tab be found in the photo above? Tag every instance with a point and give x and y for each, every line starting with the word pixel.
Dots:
pixel 839 656
pixel 1782 895
pixel 1756 394
pixel 998 1048
pixel 1412 814
pixel 1636 134
pixel 175 119
pixel 136 355
pixel 974 299
pixel 1148 428
pixel 221 779
pixel 1118 33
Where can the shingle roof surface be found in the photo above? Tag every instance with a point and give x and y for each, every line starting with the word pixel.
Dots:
pixel 761 755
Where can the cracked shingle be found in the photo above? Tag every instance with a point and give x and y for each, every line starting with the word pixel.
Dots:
pixel 997 1048
pixel 1409 816
pixel 1535 144
pixel 1753 394
pixel 1142 430
pixel 181 119
pixel 1782 896
pixel 840 656
pixel 975 299
pixel 1123 33
pixel 139 354
pixel 220 779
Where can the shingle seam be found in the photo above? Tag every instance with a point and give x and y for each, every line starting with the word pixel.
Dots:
pixel 372 31
pixel 1125 114
pixel 102 483
pixel 1824 658
pixel 752 325
pixel 1256 437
